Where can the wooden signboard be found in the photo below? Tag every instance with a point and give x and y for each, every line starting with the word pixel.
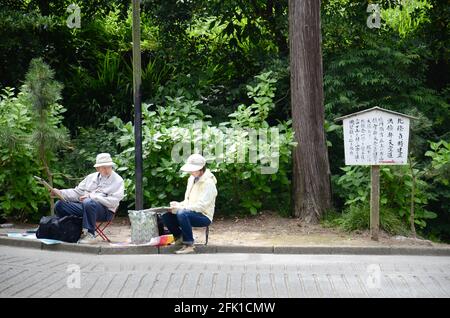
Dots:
pixel 375 137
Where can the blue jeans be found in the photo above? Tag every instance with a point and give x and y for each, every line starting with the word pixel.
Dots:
pixel 90 210
pixel 182 223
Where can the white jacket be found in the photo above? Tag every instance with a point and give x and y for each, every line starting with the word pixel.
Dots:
pixel 201 196
pixel 106 191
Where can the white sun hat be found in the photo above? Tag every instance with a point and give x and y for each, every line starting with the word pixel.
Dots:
pixel 193 163
pixel 103 159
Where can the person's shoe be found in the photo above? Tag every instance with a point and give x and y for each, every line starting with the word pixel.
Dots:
pixel 88 238
pixel 178 241
pixel 84 232
pixel 186 249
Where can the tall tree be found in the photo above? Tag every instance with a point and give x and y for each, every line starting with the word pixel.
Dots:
pixel 311 170
pixel 48 135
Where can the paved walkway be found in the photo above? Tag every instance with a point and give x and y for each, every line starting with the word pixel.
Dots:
pixel 36 273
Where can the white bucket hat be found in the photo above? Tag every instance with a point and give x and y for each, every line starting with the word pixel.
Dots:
pixel 103 159
pixel 194 162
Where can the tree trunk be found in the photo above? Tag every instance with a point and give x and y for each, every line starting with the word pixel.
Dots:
pixel 49 176
pixel 311 169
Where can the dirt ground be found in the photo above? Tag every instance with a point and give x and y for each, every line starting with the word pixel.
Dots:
pixel 271 229
pixel 266 229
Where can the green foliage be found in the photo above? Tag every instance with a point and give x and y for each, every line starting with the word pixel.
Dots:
pixel 78 157
pixel 408 16
pixel 379 75
pixel 241 185
pixel 44 93
pixel 48 135
pixel 205 54
pixel 356 218
pixel 255 115
pixel 31 132
pixel 440 155
pixel 438 176
pixel 20 33
pixel 20 196
pixel 395 191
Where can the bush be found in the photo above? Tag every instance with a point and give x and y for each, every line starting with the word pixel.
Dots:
pixel 357 217
pixel 180 125
pixel 440 165
pixel 20 195
pixel 395 191
pixel 438 176
pixel 79 157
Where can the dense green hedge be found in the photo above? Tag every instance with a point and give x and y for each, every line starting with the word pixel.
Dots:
pixel 204 55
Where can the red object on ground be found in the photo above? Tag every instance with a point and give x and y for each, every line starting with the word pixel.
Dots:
pixel 100 228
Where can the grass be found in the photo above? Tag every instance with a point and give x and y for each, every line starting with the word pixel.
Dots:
pixel 356 217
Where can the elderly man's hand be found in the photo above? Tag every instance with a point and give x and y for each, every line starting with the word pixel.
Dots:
pixel 83 197
pixel 55 192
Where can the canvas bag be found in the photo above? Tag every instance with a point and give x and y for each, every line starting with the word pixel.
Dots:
pixel 144 226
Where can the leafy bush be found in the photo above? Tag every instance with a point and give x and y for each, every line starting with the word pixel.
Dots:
pixel 78 158
pixel 20 195
pixel 180 123
pixel 395 191
pixel 438 176
pixel 30 133
pixel 440 165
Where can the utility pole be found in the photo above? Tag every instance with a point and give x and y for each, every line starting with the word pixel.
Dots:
pixel 137 95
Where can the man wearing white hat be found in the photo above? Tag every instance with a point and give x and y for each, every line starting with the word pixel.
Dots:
pixel 96 198
pixel 197 209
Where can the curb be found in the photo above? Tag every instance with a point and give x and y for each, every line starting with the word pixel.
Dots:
pixel 213 249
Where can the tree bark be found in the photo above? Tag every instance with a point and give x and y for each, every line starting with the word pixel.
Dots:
pixel 49 175
pixel 311 169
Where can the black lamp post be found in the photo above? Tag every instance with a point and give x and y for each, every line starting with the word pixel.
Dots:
pixel 137 94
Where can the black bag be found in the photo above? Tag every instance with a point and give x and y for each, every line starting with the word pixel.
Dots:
pixel 67 228
pixel 161 229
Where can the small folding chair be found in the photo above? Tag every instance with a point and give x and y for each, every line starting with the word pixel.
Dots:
pixel 206 235
pixel 101 226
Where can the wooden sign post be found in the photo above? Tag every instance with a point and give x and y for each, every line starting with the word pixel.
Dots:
pixel 376 137
pixel 374 202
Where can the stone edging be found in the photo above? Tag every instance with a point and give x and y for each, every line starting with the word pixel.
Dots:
pixel 211 249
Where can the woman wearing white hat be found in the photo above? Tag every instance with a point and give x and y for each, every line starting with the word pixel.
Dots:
pixel 197 209
pixel 96 198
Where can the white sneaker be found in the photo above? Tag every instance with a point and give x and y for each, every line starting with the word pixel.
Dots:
pixel 187 249
pixel 87 239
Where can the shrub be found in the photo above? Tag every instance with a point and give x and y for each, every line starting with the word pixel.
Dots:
pixel 357 217
pixel 180 123
pixel 395 191
pixel 438 176
pixel 20 195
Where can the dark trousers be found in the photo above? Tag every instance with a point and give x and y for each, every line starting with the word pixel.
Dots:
pixel 182 223
pixel 90 210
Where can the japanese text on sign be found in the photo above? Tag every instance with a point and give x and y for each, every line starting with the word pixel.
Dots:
pixel 376 138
